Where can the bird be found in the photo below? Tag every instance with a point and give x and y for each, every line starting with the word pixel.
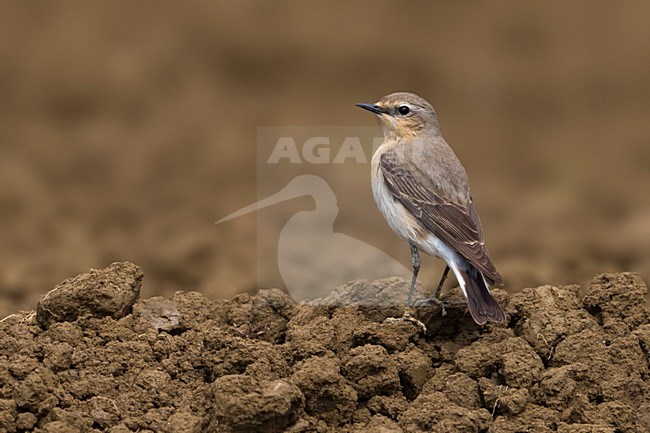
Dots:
pixel 340 259
pixel 422 190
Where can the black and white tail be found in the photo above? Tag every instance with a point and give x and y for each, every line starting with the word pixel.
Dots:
pixel 482 306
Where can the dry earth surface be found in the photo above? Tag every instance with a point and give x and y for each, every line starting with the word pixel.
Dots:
pixel 126 132
pixel 94 357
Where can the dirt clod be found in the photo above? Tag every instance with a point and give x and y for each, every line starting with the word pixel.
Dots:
pixel 244 404
pixel 100 360
pixel 99 293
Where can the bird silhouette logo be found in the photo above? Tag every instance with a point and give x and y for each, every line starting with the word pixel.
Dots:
pixel 312 258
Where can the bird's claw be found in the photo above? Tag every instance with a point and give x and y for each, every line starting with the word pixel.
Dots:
pixel 408 318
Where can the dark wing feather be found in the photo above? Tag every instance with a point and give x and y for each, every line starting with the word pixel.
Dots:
pixel 456 225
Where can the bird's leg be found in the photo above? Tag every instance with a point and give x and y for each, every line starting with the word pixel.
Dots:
pixel 442 281
pixel 415 261
pixel 436 297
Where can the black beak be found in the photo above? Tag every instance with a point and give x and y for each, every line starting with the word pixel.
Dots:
pixel 371 107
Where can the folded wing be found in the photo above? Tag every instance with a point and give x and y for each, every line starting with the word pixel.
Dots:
pixel 457 225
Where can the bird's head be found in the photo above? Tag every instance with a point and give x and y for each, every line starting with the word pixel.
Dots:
pixel 403 114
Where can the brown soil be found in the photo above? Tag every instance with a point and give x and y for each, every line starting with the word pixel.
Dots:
pixel 126 132
pixel 95 358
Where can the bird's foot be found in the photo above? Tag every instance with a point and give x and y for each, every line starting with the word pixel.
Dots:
pixel 431 301
pixel 408 318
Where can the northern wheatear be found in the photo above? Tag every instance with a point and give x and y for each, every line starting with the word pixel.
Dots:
pixel 421 189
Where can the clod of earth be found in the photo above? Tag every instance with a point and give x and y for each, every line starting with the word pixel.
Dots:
pixel 95 358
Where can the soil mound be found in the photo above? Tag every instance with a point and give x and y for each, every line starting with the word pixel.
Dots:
pixel 94 358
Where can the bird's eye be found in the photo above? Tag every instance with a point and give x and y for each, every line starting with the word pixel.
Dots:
pixel 403 110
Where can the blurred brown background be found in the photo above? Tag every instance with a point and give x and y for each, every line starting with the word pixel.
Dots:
pixel 128 128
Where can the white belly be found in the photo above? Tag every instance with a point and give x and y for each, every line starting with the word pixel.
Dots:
pixel 398 217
